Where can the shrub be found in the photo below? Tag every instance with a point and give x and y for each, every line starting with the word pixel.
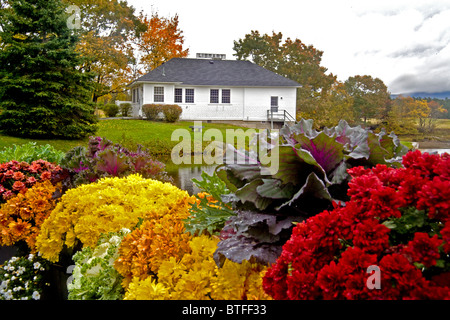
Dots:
pixel 30 152
pixel 125 109
pixel 111 109
pixel 108 205
pixel 102 158
pixel 21 217
pixel 152 111
pixel 172 112
pixel 397 219
pixel 312 175
pixel 16 177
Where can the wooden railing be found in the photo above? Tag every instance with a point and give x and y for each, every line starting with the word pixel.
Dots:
pixel 280 116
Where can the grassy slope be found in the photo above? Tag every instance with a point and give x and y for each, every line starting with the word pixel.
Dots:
pixel 153 135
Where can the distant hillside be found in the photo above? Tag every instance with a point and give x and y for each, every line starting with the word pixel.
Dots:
pixel 432 95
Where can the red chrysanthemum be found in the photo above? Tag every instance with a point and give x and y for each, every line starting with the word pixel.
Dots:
pixel 371 236
pixel 424 249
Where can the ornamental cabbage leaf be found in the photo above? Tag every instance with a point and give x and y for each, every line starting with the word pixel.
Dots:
pixel 94 275
pixel 312 175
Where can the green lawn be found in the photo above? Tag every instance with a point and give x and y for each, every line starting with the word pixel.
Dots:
pixel 156 136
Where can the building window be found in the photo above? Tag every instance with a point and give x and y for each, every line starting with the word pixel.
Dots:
pixel 178 95
pixel 226 96
pixel 214 96
pixel 189 96
pixel 158 94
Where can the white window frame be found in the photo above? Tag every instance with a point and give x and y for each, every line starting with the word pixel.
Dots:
pixel 178 95
pixel 229 96
pixel 220 96
pixel 158 94
pixel 186 96
pixel 211 96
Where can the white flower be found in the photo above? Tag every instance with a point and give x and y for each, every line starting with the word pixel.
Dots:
pixel 36 295
pixel 13 278
pixel 36 265
pixel 13 259
pixel 8 295
pixel 4 284
pixel 21 270
pixel 30 257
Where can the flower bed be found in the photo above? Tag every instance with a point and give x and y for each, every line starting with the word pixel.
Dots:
pixel 126 236
pixel 398 220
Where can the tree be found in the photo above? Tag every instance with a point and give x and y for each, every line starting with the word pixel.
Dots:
pixel 427 120
pixel 332 107
pixel 108 29
pixel 162 41
pixel 43 93
pixel 292 59
pixel 403 113
pixel 370 96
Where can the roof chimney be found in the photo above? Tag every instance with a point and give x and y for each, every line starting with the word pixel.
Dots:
pixel 213 56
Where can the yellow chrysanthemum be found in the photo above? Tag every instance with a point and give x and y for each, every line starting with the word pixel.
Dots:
pixel 146 289
pixel 197 277
pixel 107 205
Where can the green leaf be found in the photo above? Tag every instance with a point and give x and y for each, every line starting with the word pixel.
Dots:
pixel 274 189
pixel 248 193
pixel 314 188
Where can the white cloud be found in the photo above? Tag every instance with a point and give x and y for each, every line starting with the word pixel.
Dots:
pixel 403 42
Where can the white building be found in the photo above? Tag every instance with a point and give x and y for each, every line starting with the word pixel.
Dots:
pixel 217 90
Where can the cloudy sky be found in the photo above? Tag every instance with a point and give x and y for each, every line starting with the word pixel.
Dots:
pixel 405 43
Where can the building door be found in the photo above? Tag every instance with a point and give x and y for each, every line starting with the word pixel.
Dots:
pixel 274 103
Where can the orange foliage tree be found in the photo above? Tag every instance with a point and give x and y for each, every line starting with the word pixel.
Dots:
pixel 162 41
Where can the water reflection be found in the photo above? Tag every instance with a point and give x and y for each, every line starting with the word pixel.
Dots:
pixel 183 176
pixel 438 151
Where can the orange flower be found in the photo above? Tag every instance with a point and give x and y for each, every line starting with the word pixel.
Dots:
pixel 46 175
pixel 18 186
pixel 142 251
pixel 22 216
pixel 18 176
pixel 19 229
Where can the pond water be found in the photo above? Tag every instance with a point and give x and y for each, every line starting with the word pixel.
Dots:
pixel 183 175
pixel 439 151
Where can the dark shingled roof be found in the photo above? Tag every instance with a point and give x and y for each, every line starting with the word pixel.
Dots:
pixel 204 72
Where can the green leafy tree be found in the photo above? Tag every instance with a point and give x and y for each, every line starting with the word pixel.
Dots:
pixel 292 59
pixel 370 96
pixel 42 91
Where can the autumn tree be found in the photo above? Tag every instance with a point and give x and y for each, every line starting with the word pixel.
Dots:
pixel 43 93
pixel 403 113
pixel 292 59
pixel 332 107
pixel 427 121
pixel 370 96
pixel 162 41
pixel 106 34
